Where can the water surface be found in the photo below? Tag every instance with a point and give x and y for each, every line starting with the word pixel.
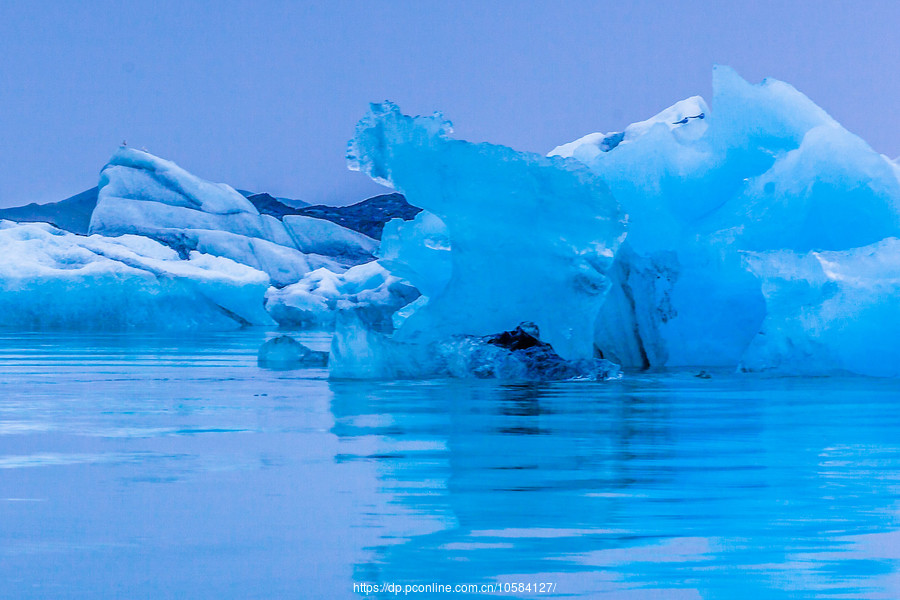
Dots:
pixel 173 467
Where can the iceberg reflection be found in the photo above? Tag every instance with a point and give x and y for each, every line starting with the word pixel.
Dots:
pixel 729 487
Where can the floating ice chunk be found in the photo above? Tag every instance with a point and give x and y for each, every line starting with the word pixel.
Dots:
pixel 50 279
pixel 284 353
pixel 367 288
pixel 358 352
pixel 530 237
pixel 767 169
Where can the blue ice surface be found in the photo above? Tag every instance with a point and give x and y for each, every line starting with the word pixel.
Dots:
pixel 762 236
pixel 158 467
pixel 528 234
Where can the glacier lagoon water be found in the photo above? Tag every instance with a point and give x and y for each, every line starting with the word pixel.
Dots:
pixel 153 467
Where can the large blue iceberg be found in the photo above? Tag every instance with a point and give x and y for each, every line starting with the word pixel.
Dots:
pixel 765 169
pixel 733 212
pixel 531 238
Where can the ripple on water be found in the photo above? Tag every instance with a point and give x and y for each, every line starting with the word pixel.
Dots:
pixel 177 467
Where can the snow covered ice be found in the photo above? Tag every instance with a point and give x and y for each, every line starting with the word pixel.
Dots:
pixel 145 195
pixel 51 279
pixel 159 211
pixel 368 288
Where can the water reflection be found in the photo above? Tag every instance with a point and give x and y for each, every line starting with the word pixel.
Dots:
pixel 672 485
pixel 142 466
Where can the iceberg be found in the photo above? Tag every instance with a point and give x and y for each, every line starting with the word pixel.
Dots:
pixel 528 238
pixel 51 279
pixel 284 353
pixel 763 169
pixel 141 196
pixel 753 232
pixel 145 195
pixel 140 193
pixel 747 220
pixel 369 289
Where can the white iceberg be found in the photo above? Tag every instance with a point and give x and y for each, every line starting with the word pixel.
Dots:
pixel 51 279
pixel 144 195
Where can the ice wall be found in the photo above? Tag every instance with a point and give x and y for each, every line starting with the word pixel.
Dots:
pixel 530 238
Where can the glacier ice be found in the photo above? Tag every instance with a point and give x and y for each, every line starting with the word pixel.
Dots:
pixel 51 279
pixel 530 238
pixel 764 169
pixel 145 195
pixel 832 311
pixel 754 230
pixel 318 236
pixel 359 352
pixel 142 197
pixel 721 201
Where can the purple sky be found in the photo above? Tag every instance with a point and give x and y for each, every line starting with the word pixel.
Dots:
pixel 264 95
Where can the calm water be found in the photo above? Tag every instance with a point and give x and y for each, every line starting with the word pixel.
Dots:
pixel 146 467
